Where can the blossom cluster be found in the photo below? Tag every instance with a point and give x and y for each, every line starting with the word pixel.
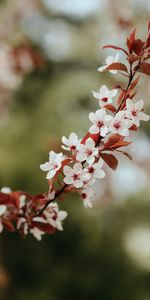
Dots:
pixel 83 159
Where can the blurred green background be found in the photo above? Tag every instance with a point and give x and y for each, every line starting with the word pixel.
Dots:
pixel 103 253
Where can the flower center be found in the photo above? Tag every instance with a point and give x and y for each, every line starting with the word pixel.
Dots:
pixel 105 99
pixel 89 152
pixel 84 196
pixel 75 176
pixel 134 113
pixel 91 170
pixel 55 166
pixel 73 148
pixel 117 125
pixel 100 124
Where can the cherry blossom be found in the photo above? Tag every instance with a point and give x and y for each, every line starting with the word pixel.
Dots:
pixel 100 122
pixel 54 164
pixel 88 196
pixel 110 60
pixel 135 112
pixel 96 171
pixel 3 209
pixel 87 151
pixel 75 176
pixel 104 95
pixel 119 124
pixel 54 216
pixel 71 143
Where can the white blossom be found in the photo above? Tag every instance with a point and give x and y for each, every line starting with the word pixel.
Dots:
pixel 54 164
pixel 119 124
pixel 135 112
pixel 104 95
pixel 87 152
pixel 88 196
pixel 54 216
pixel 71 143
pixel 75 176
pixel 96 171
pixel 110 60
pixel 100 122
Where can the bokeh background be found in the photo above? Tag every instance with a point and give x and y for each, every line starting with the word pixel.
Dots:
pixel 49 54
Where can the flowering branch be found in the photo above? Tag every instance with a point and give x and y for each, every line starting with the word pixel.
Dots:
pixel 77 171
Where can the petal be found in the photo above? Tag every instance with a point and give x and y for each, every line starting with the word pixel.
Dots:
pixel 68 171
pixel 92 117
pixel 109 60
pixel 6 190
pixel 104 131
pixel 129 105
pixel 90 143
pixel 102 68
pixel 77 167
pixel 1 227
pixel 144 117
pixel 78 184
pixel 113 71
pixel 81 156
pixel 73 137
pixel 51 174
pixel 123 131
pixel 65 141
pixel 139 105
pixel 62 215
pixel 45 167
pixel 94 129
pixel 2 209
pixel 90 160
pixel 68 180
pixel 96 95
pixel 103 91
pixel 113 93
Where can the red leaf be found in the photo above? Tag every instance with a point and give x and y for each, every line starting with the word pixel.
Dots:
pixel 110 107
pixel 94 137
pixel 149 26
pixel 130 40
pixel 44 227
pixel 113 139
pixel 110 160
pixel 116 48
pixel 132 58
pixel 117 66
pixel 148 41
pixel 8 225
pixel 137 46
pixel 145 68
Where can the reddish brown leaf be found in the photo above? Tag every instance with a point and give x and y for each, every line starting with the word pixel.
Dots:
pixel 113 139
pixel 130 40
pixel 8 225
pixel 120 98
pixel 94 137
pixel 148 41
pixel 149 26
pixel 137 46
pixel 116 48
pixel 110 160
pixel 132 58
pixel 118 67
pixel 110 107
pixel 145 68
pixel 44 227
